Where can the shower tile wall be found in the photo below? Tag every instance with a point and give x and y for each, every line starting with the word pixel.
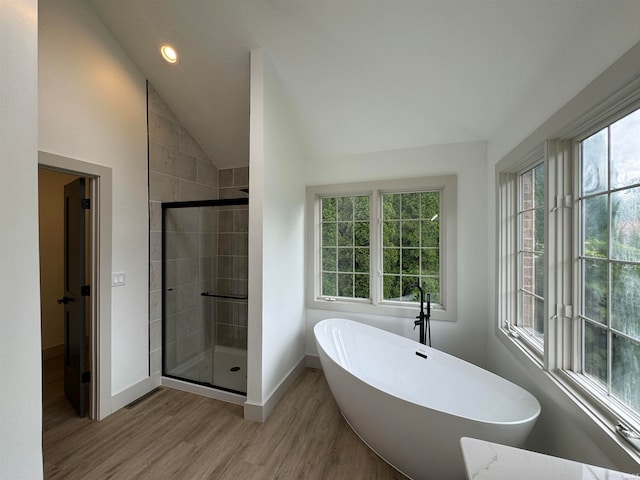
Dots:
pixel 178 171
pixel 231 315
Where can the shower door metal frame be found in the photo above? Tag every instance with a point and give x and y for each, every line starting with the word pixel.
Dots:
pixel 223 202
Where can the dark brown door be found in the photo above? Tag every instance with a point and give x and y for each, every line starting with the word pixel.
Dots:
pixel 76 375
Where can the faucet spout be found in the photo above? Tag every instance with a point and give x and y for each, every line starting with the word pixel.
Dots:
pixel 423 319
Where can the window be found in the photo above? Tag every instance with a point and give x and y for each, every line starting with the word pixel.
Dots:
pixel 369 242
pixel 609 259
pixel 411 244
pixel 345 265
pixel 569 262
pixel 531 259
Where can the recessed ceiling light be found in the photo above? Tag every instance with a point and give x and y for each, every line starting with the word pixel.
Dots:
pixel 169 54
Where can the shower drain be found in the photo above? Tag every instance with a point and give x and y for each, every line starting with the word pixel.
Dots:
pixel 234 369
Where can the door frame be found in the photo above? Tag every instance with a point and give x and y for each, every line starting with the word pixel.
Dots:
pixel 100 180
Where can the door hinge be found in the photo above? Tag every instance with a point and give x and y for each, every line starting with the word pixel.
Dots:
pixel 85 290
pixel 85 203
pixel 86 377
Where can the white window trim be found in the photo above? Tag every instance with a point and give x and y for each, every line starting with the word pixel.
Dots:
pixel 562 344
pixel 448 226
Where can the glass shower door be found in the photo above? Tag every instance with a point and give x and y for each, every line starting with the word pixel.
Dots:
pixel 205 293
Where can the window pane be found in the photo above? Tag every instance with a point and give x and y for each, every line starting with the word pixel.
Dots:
pixel 538 186
pixel 345 260
pixel 390 234
pixel 538 325
pixel 329 284
pixel 625 299
pixel 329 259
pixel 596 219
pixel 345 208
pixel 625 151
pixel 527 219
pixel 533 273
pixel 361 286
pixel 625 381
pixel 431 286
pixel 410 205
pixel 407 281
pixel 594 163
pixel 329 234
pixel 391 206
pixel 362 260
pixel 391 261
pixel 345 285
pixel 430 205
pixel 411 261
pixel 391 287
pixel 538 274
pixel 625 228
pixel 430 233
pixel 526 188
pixel 595 352
pixel 532 315
pixel 596 288
pixel 329 209
pixel 345 234
pixel 410 233
pixel 362 208
pixel 538 232
pixel 361 234
pixel 430 261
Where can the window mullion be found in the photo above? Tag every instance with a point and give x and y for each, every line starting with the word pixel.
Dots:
pixel 375 236
pixel 574 352
pixel 552 222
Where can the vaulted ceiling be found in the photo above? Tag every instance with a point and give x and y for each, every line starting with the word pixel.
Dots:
pixel 370 75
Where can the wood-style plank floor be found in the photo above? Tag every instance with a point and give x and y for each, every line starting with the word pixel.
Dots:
pixel 178 435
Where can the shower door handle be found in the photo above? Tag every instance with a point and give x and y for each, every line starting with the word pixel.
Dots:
pixel 220 295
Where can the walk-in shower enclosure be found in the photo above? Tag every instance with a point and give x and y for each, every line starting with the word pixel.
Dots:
pixel 204 292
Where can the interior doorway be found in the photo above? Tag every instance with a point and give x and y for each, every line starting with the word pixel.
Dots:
pixel 101 192
pixel 65 286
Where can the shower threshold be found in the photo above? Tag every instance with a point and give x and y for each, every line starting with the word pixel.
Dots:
pixel 204 390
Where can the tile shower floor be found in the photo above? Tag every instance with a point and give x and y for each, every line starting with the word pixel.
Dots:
pixel 227 369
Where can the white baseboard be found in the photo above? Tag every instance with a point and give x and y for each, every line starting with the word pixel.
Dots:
pixel 313 361
pixel 134 392
pixel 259 413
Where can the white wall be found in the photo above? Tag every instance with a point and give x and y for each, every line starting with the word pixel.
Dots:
pixel 20 374
pixel 92 107
pixel 468 162
pixel 564 429
pixel 276 240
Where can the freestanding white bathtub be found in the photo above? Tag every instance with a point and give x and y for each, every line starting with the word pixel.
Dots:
pixel 411 404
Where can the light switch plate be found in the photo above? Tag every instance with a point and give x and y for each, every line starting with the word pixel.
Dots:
pixel 118 279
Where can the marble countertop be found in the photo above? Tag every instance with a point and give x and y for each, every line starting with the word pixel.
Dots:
pixel 491 461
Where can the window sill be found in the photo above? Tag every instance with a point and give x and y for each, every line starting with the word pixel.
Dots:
pixel 602 419
pixel 513 341
pixel 364 307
